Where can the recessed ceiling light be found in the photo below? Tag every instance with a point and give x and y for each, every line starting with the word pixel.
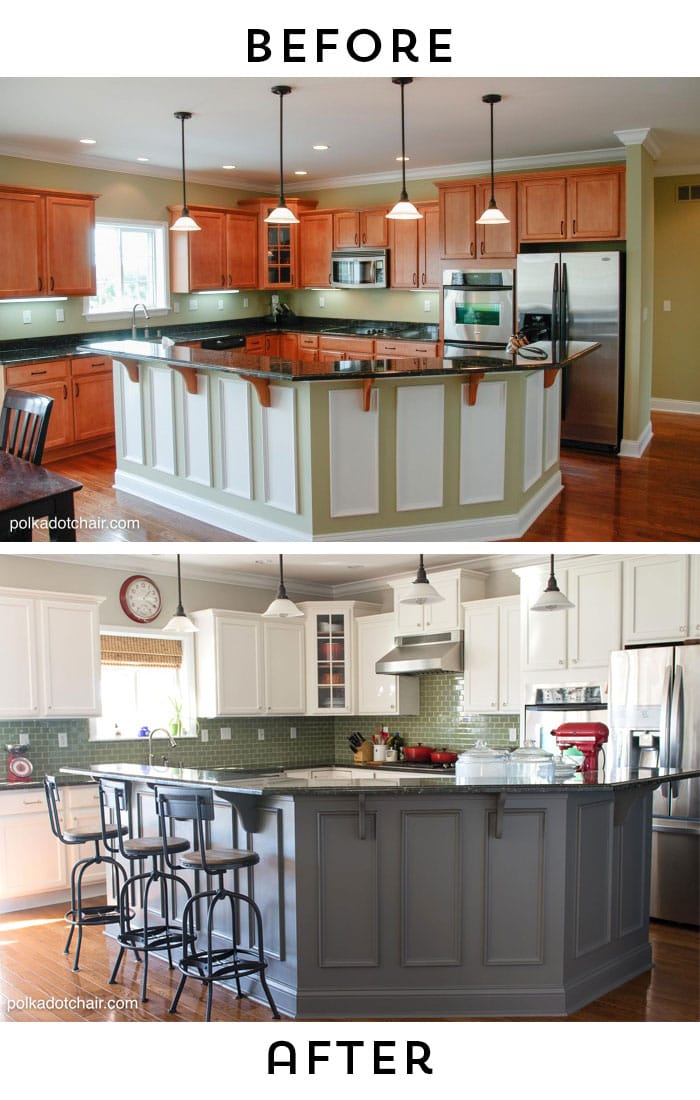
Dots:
pixel 88 141
pixel 143 160
pixel 320 148
pixel 301 172
pixel 228 167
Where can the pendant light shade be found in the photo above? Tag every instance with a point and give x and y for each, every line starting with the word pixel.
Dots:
pixel 552 599
pixel 282 607
pixel 180 622
pixel 281 215
pixel 185 223
pixel 492 215
pixel 423 591
pixel 403 210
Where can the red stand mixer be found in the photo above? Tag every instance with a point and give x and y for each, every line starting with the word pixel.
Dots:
pixel 587 737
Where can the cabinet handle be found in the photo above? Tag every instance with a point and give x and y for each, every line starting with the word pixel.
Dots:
pixel 77 390
pixel 561 662
pixel 482 248
pixel 65 392
pixel 223 280
pixel 41 283
pixel 422 278
pixel 683 629
pixel 364 238
pixel 35 802
pixel 98 364
pixel 51 283
pixel 415 278
pixel 504 703
pixel 562 227
pixel 330 278
pixel 37 372
pixel 471 248
pixel 357 238
pixel 574 660
pixel 574 227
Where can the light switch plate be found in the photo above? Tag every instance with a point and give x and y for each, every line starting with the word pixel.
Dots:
pixel 63 740
pixel 225 734
pixel 293 733
pixel 261 735
pixel 204 736
pixel 24 738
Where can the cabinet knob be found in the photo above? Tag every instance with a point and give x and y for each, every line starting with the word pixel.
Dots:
pixel 574 660
pixel 561 662
pixel 493 705
pixel 683 629
pixel 504 703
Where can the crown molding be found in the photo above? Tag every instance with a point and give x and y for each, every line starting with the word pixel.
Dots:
pixel 678 170
pixel 644 137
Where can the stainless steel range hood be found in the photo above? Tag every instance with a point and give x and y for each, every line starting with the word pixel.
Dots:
pixel 425 653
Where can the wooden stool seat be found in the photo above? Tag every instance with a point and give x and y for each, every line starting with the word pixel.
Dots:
pixel 221 859
pixel 80 835
pixel 138 846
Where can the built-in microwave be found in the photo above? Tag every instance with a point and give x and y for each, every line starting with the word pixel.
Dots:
pixel 360 269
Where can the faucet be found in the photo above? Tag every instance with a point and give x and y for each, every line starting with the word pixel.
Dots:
pixel 138 305
pixel 151 735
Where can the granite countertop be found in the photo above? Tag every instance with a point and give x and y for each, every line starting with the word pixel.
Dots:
pixel 14 352
pixel 278 780
pixel 289 370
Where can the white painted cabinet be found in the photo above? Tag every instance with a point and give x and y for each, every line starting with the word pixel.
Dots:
pixel 248 665
pixel 492 655
pixel 80 806
pixel 454 586
pixel 52 667
pixel 330 655
pixel 581 639
pixel 32 860
pixel 378 693
pixel 656 598
pixel 694 616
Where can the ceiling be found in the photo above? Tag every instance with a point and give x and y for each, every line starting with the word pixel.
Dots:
pixel 235 121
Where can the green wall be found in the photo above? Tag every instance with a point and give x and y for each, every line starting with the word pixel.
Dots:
pixel 676 374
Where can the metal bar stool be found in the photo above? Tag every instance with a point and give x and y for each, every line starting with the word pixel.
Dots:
pixel 207 963
pixel 81 916
pixel 154 934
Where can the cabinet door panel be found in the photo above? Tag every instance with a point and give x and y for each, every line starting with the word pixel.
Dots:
pixel 655 598
pixel 32 860
pixel 544 633
pixel 207 252
pixel 70 232
pixel 594 207
pixel 542 209
pixel 61 420
pixel 403 260
pixel 242 251
pixel 70 658
pixel 19 686
pixel 93 406
pixel 498 241
pixel 374 229
pixel 346 229
pixel 239 667
pixel 315 246
pixel 22 271
pixel 481 671
pixel 457 222
pixel 429 247
pixel 284 667
pixel 595 623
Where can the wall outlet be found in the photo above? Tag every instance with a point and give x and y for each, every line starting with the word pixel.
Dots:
pixel 60 315
pixel 26 316
pixel 512 734
pixel 176 307
pixel 204 736
pixel 245 303
pixel 322 302
pixel 293 733
pixel 261 735
pixel 193 305
pixel 667 306
pixel 219 303
pixel 427 305
pixel 24 738
pixel 63 740
pixel 225 734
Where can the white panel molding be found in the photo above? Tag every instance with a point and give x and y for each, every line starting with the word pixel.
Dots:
pixel 354 453
pixel 534 417
pixel 131 411
pixel 552 422
pixel 482 444
pixel 420 432
pixel 162 418
pixel 197 434
pixel 279 440
pixel 234 427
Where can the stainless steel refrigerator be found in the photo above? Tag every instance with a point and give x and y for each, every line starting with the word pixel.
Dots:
pixel 576 295
pixel 654 719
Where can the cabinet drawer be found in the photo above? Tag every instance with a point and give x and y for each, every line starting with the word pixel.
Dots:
pixel 256 344
pixel 82 796
pixel 308 341
pixel 347 346
pixel 404 347
pixel 46 371
pixel 90 364
pixel 26 801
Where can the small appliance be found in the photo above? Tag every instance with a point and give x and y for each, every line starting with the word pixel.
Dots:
pixel 478 310
pixel 587 737
pixel 356 269
pixel 19 768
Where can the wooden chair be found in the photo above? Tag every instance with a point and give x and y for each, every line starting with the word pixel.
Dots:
pixel 24 422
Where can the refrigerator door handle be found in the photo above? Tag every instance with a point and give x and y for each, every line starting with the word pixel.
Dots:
pixel 555 311
pixel 664 725
pixel 676 724
pixel 564 307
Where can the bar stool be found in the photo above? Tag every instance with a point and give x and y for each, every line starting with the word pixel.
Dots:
pixel 82 916
pixel 209 964
pixel 152 935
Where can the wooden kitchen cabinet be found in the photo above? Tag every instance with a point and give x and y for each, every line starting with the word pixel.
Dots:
pixel 542 209
pixel 460 237
pixel 222 255
pixel 378 693
pixel 82 416
pixel 48 243
pixel 492 655
pixel 248 665
pixel 656 598
pixel 583 205
pixel 414 250
pixel 595 206
pixel 315 247
pixel 278 245
pixel 341 347
pixel 288 345
pixel 52 669
pixel 360 228
pixel 497 242
pixel 401 349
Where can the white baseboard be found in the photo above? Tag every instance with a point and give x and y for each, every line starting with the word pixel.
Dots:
pixel 635 448
pixel 670 405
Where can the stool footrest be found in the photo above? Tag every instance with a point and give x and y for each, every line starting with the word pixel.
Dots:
pixel 157 938
pixel 225 964
pixel 93 914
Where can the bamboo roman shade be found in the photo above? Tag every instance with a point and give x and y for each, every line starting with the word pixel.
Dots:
pixel 138 651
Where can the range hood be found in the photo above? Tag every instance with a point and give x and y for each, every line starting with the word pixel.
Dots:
pixel 425 653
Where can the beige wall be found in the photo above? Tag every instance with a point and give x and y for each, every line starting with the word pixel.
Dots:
pixel 640 261
pixel 676 373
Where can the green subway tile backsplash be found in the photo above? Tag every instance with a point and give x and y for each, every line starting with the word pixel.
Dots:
pixel 319 740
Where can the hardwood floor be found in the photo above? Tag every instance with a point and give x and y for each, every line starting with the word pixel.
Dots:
pixel 32 968
pixel 605 498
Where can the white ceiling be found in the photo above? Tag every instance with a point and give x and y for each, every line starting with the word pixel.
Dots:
pixel 235 121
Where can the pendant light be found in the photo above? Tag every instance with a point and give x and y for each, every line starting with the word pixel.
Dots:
pixel 180 622
pixel 184 224
pixel 492 215
pixel 423 591
pixel 552 599
pixel 281 215
pixel 403 210
pixel 282 607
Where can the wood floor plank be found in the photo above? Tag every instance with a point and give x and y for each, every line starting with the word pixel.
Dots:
pixel 605 498
pixel 32 967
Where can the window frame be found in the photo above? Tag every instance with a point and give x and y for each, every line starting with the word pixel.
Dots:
pixel 189 683
pixel 161 310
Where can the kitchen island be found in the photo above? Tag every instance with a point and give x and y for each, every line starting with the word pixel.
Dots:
pixel 394 449
pixel 393 895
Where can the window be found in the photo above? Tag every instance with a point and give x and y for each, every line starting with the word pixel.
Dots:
pixel 146 680
pixel 131 262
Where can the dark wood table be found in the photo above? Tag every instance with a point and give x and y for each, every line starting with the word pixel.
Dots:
pixel 28 493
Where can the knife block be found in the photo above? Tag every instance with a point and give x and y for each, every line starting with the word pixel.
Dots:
pixel 364 753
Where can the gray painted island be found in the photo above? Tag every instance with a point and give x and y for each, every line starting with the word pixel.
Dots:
pixel 391 895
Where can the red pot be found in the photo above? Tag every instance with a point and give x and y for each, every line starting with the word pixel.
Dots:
pixel 442 756
pixel 417 754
